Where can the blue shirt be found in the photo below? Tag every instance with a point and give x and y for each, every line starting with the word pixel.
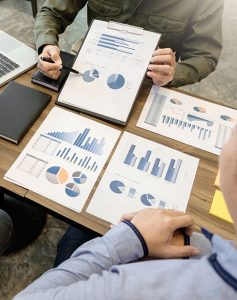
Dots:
pixel 102 269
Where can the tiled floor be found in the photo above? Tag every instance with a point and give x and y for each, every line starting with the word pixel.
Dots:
pixel 19 269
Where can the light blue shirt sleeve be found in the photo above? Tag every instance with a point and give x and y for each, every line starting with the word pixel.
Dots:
pixel 82 277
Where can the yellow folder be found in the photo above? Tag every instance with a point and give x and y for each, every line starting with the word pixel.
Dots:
pixel 217 181
pixel 219 208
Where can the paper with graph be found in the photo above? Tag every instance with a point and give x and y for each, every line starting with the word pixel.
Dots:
pixel 143 174
pixel 64 158
pixel 190 120
pixel 113 61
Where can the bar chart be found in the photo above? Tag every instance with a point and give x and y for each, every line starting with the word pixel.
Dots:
pixel 167 170
pixel 81 140
pixel 202 133
pixel 86 162
pixel 117 43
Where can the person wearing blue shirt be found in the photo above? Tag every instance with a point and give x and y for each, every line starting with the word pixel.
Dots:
pixel 115 266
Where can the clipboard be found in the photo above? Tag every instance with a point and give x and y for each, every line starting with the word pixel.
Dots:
pixel 108 88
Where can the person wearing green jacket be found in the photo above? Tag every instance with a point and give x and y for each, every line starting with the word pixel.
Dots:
pixel 189 48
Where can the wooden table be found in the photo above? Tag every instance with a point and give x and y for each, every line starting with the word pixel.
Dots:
pixel 202 191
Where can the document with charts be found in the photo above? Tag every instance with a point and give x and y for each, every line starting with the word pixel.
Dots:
pixel 190 120
pixel 143 174
pixel 113 61
pixel 64 158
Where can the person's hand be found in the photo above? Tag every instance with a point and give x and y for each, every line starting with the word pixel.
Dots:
pixel 162 66
pixel 228 173
pixel 157 226
pixel 52 70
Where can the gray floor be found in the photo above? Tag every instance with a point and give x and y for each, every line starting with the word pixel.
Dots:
pixel 19 269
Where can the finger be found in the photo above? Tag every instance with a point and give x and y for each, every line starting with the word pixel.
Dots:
pixel 163 59
pixel 162 69
pixel 163 51
pixel 181 222
pixel 180 251
pixel 53 75
pixel 128 216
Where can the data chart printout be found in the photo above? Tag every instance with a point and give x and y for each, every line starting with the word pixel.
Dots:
pixel 143 174
pixel 190 120
pixel 113 62
pixel 64 158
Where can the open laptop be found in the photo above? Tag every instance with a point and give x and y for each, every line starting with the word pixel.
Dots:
pixel 15 58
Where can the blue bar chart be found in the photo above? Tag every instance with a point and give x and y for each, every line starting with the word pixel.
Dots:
pixel 81 140
pixel 202 133
pixel 117 43
pixel 156 167
pixel 83 161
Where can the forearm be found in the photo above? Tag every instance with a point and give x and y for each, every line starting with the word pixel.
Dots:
pixel 53 18
pixel 191 70
pixel 120 245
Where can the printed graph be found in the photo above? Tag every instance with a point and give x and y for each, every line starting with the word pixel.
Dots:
pixel 154 167
pixel 81 140
pixel 84 161
pixel 117 43
pixel 202 133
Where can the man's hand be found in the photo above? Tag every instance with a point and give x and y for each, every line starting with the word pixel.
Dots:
pixel 228 173
pixel 157 226
pixel 52 70
pixel 162 66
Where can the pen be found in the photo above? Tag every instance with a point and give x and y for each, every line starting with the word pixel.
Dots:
pixel 49 60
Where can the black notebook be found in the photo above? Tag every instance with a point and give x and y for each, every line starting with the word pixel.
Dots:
pixel 19 108
pixel 55 85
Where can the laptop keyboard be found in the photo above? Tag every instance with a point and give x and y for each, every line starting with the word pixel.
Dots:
pixel 6 65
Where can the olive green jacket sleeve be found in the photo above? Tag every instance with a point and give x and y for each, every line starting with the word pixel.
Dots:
pixel 53 18
pixel 201 48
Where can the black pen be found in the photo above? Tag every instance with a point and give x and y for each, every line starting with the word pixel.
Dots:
pixel 49 60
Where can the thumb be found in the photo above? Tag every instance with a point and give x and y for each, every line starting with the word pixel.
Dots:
pixel 181 251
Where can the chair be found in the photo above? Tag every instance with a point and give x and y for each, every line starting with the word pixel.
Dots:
pixel 34 7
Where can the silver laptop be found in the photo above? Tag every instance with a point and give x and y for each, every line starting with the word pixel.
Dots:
pixel 15 58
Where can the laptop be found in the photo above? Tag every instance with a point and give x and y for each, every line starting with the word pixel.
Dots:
pixel 15 58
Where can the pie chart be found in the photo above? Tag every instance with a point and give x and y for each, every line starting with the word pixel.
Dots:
pixel 176 101
pixel 117 186
pixel 148 199
pixel 56 175
pixel 115 81
pixel 199 109
pixel 72 190
pixel 226 118
pixel 90 75
pixel 79 177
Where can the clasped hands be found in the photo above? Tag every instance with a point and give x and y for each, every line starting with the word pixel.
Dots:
pixel 158 227
pixel 161 68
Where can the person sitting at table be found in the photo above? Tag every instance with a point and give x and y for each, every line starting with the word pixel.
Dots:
pixel 189 47
pixel 20 222
pixel 109 267
pixel 6 231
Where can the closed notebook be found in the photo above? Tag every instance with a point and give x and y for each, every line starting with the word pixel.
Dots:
pixel 19 108
pixel 55 85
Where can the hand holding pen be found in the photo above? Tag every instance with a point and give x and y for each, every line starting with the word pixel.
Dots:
pixel 50 63
pixel 49 60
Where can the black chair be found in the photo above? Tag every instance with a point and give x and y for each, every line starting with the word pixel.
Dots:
pixel 34 7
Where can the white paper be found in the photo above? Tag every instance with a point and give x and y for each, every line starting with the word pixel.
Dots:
pixel 64 158
pixel 143 174
pixel 187 119
pixel 113 64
